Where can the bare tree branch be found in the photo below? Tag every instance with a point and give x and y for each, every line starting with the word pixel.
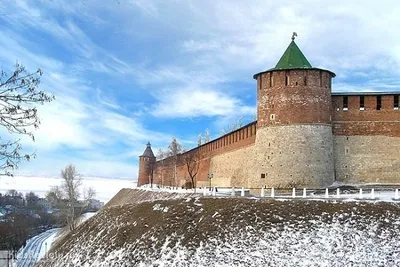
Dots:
pixel 70 185
pixel 18 94
pixel 191 160
pixel 234 125
pixel 174 148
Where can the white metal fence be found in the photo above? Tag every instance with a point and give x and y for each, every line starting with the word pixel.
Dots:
pixel 385 194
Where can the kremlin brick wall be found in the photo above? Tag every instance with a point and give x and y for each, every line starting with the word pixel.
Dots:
pixel 366 149
pixel 367 140
pixel 217 156
pixel 369 121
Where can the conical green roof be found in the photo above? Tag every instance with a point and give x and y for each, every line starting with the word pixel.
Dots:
pixel 293 58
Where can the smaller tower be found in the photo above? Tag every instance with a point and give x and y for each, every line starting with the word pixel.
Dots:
pixel 146 166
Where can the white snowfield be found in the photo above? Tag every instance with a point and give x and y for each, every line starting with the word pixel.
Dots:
pixel 35 248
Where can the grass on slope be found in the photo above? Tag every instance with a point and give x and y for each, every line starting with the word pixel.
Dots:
pixel 235 231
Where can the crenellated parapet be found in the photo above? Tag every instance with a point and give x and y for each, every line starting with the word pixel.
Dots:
pixel 370 113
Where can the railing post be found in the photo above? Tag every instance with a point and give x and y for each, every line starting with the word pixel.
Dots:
pixel 372 193
pixel 293 192
pixel 361 193
pixel 262 192
pixel 304 192
pixel 338 192
pixel 272 192
pixel 242 193
pixel 396 194
pixel 326 193
pixel 233 191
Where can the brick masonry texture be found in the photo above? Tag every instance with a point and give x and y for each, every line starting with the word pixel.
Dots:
pixel 145 165
pixel 230 144
pixel 294 155
pixel 303 137
pixel 369 121
pixel 367 159
pixel 234 168
pixel 290 97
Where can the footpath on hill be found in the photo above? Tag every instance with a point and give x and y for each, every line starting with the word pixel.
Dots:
pixel 139 228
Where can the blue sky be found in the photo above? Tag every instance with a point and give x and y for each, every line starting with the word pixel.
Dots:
pixel 127 72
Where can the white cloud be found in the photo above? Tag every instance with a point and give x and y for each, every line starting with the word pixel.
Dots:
pixel 205 47
pixel 251 36
pixel 194 102
pixel 128 129
pixel 370 85
pixel 82 122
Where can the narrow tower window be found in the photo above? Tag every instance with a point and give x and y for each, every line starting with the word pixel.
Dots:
pixel 362 103
pixel 287 80
pixel 378 102
pixel 345 103
pixel 305 79
pixel 396 102
pixel 271 80
pixel 320 78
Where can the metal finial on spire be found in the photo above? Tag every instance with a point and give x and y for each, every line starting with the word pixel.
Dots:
pixel 294 35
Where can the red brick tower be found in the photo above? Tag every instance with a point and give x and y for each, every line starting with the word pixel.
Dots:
pixel 146 166
pixel 294 133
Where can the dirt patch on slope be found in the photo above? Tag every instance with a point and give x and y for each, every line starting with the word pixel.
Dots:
pixel 201 231
pixel 136 196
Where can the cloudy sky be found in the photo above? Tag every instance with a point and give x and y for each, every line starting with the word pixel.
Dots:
pixel 125 72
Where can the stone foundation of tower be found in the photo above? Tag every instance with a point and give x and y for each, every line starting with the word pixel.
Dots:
pixel 293 156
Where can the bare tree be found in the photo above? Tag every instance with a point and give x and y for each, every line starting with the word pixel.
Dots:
pixel 150 171
pixel 71 182
pixel 55 195
pixel 199 139
pixel 67 195
pixel 89 193
pixel 18 95
pixel 161 155
pixel 174 148
pixel 12 193
pixel 70 185
pixel 31 200
pixel 234 125
pixel 207 136
pixel 191 160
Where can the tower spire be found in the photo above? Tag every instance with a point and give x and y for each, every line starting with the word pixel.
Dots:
pixel 148 152
pixel 294 35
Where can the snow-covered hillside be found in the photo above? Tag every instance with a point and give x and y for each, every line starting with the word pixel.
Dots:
pixel 197 231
